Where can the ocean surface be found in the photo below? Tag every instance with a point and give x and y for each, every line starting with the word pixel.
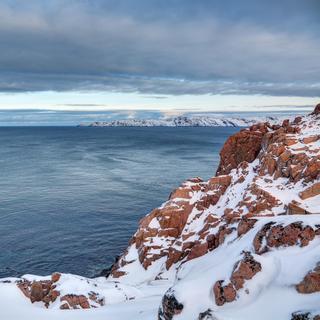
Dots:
pixel 71 198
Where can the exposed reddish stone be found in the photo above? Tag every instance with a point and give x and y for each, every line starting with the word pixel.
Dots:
pixel 312 170
pixel 294 208
pixel 311 139
pixel 64 306
pixel 55 277
pixel 316 110
pixel 184 193
pixel 222 233
pixel 285 156
pixel 290 141
pixel 93 296
pixel 310 283
pixel 76 301
pixel 224 294
pixel 244 270
pixel 297 120
pixel 118 274
pixel 173 257
pixel 36 293
pixel 242 146
pixel 245 225
pixel 285 123
pixel 312 191
pixel 39 291
pixel 277 236
pixel 198 250
pixel 220 180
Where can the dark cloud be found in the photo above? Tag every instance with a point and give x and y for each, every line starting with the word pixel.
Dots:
pixel 161 47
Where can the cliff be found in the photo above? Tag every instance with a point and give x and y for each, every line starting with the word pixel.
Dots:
pixel 250 234
pixel 242 245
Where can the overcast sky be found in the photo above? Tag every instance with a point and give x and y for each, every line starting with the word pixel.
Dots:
pixel 161 54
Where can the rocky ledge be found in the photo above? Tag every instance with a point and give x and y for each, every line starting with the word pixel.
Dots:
pixel 242 245
pixel 254 225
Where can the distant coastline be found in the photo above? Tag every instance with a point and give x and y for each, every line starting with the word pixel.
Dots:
pixel 183 121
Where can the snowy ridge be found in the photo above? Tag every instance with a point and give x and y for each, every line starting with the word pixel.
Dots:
pixel 182 121
pixel 243 245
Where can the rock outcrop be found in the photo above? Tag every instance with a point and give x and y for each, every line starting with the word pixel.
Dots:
pixel 311 282
pixel 265 197
pixel 216 247
pixel 243 270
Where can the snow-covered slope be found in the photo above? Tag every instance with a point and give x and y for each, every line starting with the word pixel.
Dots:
pixel 182 121
pixel 243 245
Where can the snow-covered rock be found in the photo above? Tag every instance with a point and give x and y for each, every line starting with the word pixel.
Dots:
pixel 243 245
pixel 251 231
pixel 183 121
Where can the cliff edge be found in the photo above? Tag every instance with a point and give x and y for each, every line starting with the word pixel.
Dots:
pixel 242 245
pixel 245 240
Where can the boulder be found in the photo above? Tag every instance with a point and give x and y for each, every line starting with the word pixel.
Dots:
pixel 244 270
pixel 223 293
pixel 242 146
pixel 316 110
pixel 310 283
pixel 310 192
pixel 169 307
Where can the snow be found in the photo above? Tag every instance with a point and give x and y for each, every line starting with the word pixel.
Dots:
pixel 270 294
pixel 200 121
pixel 14 306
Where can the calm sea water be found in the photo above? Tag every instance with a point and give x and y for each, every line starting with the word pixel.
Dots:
pixel 70 198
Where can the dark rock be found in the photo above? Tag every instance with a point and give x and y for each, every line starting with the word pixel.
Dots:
pixel 170 306
pixel 206 315
pixel 316 110
pixel 301 316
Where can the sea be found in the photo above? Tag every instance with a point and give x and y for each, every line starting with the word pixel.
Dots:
pixel 72 197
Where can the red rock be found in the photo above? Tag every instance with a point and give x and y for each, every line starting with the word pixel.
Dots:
pixel 242 146
pixel 76 301
pixel 173 257
pixel 245 225
pixel 312 170
pixel 118 274
pixel 221 180
pixel 294 208
pixel 64 306
pixel 297 120
pixel 24 286
pixel 36 293
pixel 244 270
pixel 224 294
pixel 312 191
pixel 316 110
pixel 285 156
pixel 282 236
pixel 290 141
pixel 55 277
pixel 198 250
pixel 184 193
pixel 310 283
pixel 310 139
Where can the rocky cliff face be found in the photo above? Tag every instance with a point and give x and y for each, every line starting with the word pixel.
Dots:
pixel 243 245
pixel 251 232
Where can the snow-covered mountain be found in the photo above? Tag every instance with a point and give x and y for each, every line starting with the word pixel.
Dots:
pixel 182 121
pixel 243 245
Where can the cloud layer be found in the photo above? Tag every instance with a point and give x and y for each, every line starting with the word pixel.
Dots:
pixel 161 46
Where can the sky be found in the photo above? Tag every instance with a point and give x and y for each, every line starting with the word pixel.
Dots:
pixel 165 55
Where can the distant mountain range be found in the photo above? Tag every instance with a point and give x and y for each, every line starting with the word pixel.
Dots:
pixel 183 121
